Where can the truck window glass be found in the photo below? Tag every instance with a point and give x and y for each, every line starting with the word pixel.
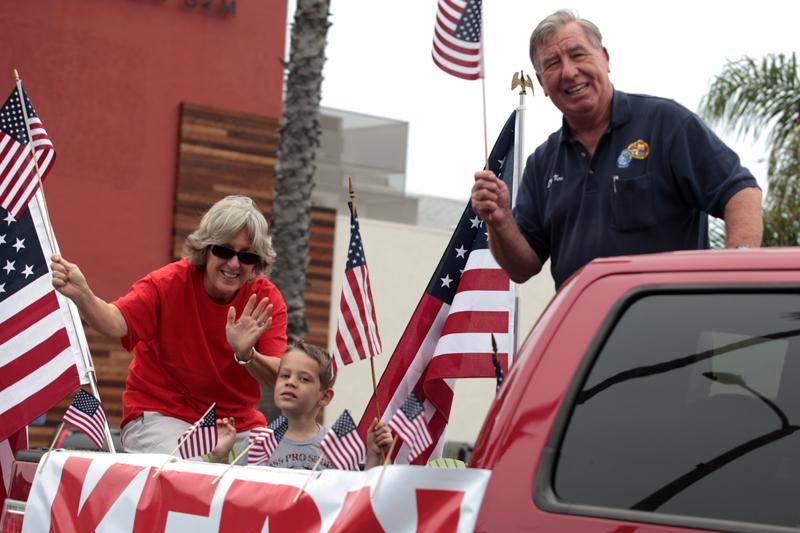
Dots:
pixel 692 407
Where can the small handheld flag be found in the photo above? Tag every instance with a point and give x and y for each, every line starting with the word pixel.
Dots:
pixel 201 438
pixel 409 422
pixel 457 38
pixel 86 414
pixel 343 445
pixel 22 137
pixel 265 440
pixel 357 327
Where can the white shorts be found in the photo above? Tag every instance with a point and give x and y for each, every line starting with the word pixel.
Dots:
pixel 155 433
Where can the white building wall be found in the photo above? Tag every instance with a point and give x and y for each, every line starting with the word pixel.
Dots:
pixel 401 260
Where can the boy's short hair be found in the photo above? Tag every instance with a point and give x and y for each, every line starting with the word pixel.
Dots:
pixel 326 376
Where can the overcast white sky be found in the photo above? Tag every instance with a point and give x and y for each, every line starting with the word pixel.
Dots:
pixel 379 63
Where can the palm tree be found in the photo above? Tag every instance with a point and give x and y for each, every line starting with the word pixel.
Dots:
pixel 751 96
pixel 297 145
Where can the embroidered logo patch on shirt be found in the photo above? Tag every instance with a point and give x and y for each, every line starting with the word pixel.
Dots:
pixel 639 149
pixel 624 159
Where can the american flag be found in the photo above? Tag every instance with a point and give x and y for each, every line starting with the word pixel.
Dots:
pixel 342 444
pixel 38 359
pixel 449 334
pixel 86 414
pixel 357 328
pixel 266 440
pixel 409 423
pixel 202 436
pixel 18 177
pixel 457 38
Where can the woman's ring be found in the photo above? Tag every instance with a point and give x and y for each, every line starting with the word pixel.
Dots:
pixel 261 324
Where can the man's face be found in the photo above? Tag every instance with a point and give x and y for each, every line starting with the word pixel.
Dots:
pixel 574 74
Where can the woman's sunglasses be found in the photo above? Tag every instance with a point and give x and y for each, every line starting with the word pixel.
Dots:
pixel 223 252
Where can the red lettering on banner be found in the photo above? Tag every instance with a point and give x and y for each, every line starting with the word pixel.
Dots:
pixel 181 492
pixel 438 510
pixel 64 513
pixel 357 514
pixel 248 504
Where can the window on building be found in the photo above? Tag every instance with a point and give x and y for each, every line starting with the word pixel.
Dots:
pixel 692 408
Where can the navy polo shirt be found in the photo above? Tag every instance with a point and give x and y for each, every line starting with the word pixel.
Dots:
pixel 657 172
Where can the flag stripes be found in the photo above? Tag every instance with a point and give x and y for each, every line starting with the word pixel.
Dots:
pixel 449 334
pixel 86 414
pixel 342 444
pixel 265 440
pixel 457 38
pixel 19 173
pixel 357 326
pixel 409 423
pixel 202 436
pixel 38 360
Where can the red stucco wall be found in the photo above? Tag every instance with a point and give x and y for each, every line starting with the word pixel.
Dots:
pixel 106 78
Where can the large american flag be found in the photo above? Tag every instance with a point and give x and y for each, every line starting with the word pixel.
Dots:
pixel 265 440
pixel 409 423
pixel 449 335
pixel 357 328
pixel 202 436
pixel 343 445
pixel 457 38
pixel 18 176
pixel 38 360
pixel 86 414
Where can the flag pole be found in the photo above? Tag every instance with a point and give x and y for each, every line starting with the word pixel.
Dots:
pixel 183 439
pixel 385 464
pixel 52 445
pixel 310 475
pixel 483 97
pixel 232 463
pixel 522 81
pixel 76 323
pixel 371 358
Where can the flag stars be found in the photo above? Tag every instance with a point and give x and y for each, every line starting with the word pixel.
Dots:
pixel 446 281
pixel 2 288
pixel 9 219
pixel 2 239
pixel 461 251
pixel 9 267
pixel 19 244
pixel 28 271
pixel 476 222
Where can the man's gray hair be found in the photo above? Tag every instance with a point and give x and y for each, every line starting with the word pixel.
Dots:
pixel 220 225
pixel 550 24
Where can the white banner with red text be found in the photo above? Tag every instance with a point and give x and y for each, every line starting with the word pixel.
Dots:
pixel 86 491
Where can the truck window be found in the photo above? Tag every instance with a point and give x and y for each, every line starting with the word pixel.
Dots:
pixel 692 407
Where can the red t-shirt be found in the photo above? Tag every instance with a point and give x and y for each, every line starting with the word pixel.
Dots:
pixel 182 360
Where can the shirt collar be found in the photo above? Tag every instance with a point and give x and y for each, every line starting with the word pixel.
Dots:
pixel 620 114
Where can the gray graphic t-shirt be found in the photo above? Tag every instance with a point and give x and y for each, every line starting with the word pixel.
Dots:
pixel 301 454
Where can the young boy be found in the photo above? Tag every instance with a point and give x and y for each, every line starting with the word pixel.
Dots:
pixel 304 386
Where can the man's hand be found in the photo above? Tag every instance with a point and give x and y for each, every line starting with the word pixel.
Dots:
pixel 491 199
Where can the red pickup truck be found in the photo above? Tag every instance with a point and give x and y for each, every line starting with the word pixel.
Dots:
pixel 656 393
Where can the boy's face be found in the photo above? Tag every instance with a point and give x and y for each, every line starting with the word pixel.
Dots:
pixel 297 389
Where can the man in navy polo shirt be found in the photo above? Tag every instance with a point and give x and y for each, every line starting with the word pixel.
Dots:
pixel 625 174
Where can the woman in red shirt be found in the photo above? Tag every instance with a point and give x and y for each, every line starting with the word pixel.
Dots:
pixel 206 329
